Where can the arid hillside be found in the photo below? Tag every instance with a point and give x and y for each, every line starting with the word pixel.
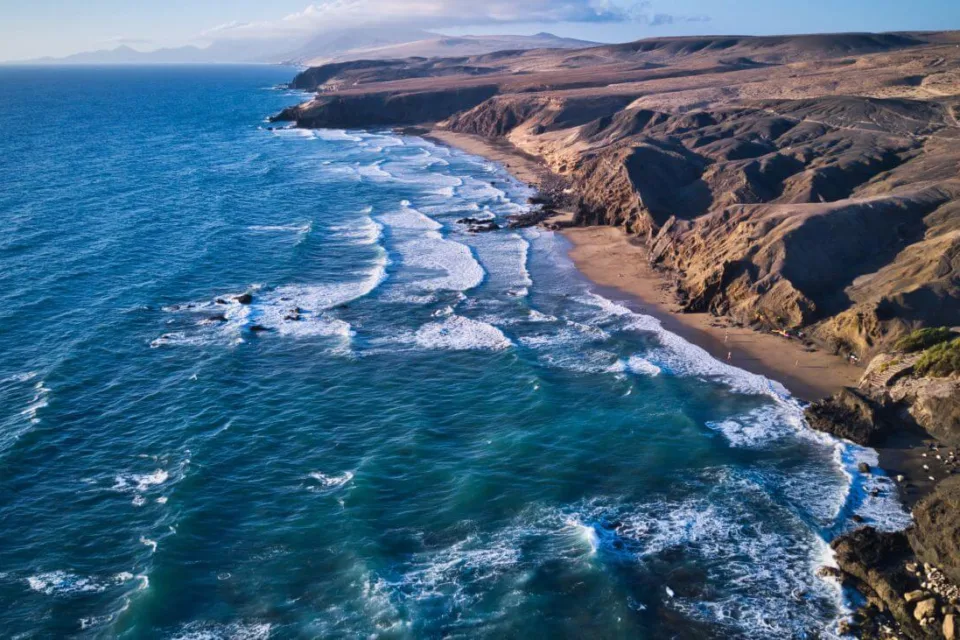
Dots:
pixel 806 183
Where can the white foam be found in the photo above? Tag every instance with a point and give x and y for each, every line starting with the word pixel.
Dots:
pixel 291 228
pixel 21 377
pixel 177 338
pixel 442 264
pixel 678 357
pixel 444 572
pixel 536 316
pixel 298 310
pixel 217 631
pixel 504 258
pixel 295 132
pixel 331 482
pixel 144 482
pixel 374 171
pixel 138 484
pixel 461 333
pixel 406 217
pixel 38 402
pixel 55 583
pixel 760 427
pixel 336 135
pixel 757 570
pixel 149 543
pixel 91 622
pixel 587 532
pixel 582 360
pixel 883 511
pixel 640 366
pixel 366 232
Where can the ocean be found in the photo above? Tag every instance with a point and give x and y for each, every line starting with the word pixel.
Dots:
pixel 404 431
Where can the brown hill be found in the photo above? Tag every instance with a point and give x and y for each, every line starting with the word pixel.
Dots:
pixel 793 182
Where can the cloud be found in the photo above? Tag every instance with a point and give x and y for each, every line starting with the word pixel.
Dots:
pixel 660 19
pixel 337 14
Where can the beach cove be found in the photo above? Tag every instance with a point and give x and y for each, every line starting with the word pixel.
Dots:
pixel 282 389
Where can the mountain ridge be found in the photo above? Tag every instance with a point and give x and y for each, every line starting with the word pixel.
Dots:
pixel 332 46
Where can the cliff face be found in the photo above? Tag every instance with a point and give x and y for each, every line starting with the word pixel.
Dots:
pixel 387 108
pixel 806 183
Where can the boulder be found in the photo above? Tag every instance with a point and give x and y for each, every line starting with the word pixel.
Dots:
pixel 863 467
pixel 925 609
pixel 914 596
pixel 829 572
pixel 244 298
pixel 483 227
pixel 850 415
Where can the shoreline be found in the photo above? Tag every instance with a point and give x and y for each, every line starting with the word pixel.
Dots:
pixel 607 257
pixel 610 259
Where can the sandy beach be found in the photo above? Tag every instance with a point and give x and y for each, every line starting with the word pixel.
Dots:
pixel 608 257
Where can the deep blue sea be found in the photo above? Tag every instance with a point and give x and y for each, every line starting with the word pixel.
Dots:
pixel 410 432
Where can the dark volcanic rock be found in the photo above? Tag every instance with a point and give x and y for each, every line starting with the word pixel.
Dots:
pixel 936 534
pixel 244 298
pixel 850 415
pixel 875 562
pixel 482 227
pixel 530 218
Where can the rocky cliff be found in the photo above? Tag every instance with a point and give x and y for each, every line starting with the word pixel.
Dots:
pixel 806 183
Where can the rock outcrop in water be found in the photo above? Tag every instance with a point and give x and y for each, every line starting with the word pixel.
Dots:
pixel 850 415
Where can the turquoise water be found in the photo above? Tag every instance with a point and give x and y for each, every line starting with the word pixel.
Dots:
pixel 411 431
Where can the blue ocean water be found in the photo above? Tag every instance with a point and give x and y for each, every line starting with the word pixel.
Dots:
pixel 410 431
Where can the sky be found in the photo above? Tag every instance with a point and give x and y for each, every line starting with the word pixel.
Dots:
pixel 61 27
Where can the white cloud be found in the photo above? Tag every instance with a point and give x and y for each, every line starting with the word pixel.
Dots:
pixel 336 14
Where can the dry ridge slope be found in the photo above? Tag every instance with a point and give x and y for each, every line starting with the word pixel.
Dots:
pixel 798 182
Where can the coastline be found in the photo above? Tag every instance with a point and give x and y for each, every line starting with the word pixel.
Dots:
pixel 522 166
pixel 607 256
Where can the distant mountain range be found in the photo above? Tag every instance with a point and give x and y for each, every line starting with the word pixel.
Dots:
pixel 332 46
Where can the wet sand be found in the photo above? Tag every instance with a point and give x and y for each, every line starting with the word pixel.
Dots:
pixel 607 256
